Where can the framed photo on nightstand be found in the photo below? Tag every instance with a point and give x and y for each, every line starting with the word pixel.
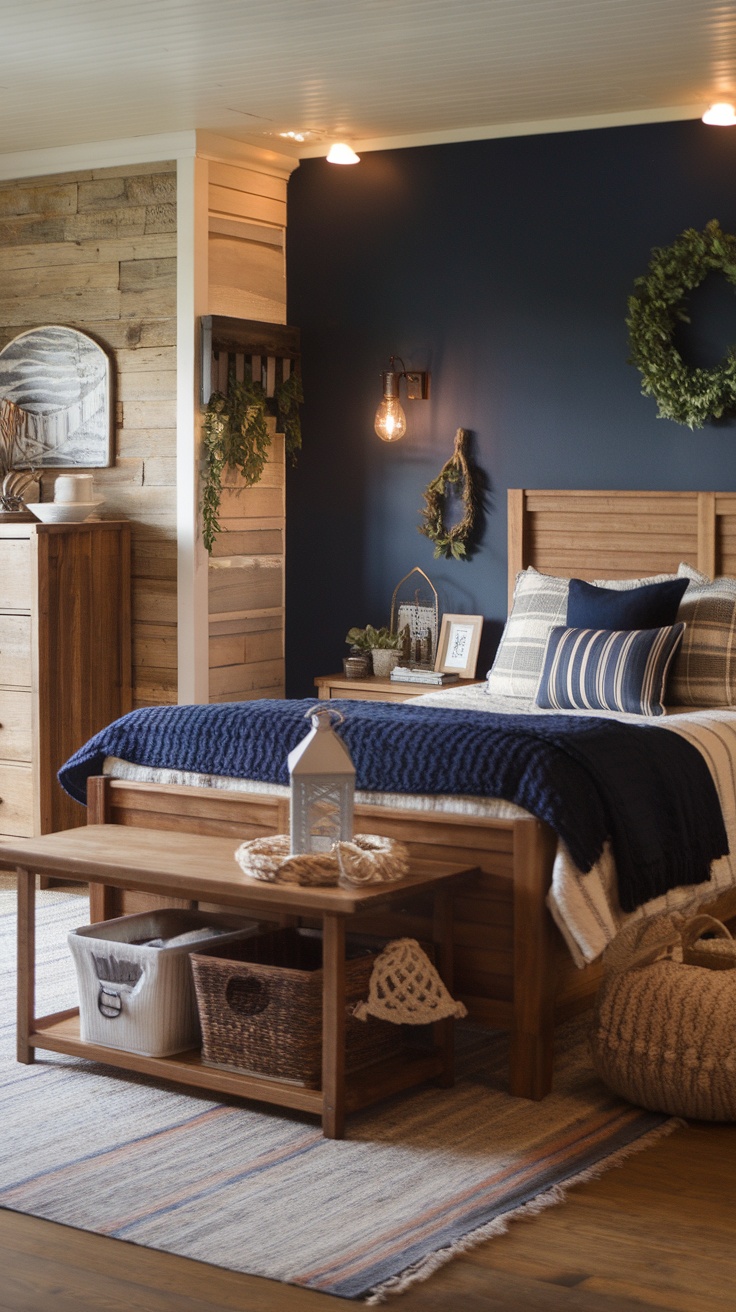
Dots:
pixel 457 649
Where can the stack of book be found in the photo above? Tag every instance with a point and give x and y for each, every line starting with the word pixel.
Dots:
pixel 412 674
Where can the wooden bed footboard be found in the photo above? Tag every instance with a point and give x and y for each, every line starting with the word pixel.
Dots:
pixel 512 969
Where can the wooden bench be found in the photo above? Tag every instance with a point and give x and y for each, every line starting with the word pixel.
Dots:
pixel 202 868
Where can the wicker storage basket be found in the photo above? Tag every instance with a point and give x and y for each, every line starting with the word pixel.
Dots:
pixel 260 1006
pixel 140 998
pixel 664 1034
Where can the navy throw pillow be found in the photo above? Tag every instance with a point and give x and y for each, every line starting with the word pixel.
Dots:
pixel 652 606
pixel 606 670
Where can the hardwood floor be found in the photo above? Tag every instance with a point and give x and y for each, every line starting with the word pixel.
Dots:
pixel 658 1232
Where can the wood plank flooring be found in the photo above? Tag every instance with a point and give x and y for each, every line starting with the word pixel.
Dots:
pixel 658 1232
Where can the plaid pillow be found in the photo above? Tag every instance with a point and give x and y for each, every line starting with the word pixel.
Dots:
pixel 608 669
pixel 540 603
pixel 704 670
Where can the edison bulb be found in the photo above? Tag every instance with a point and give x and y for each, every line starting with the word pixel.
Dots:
pixel 390 422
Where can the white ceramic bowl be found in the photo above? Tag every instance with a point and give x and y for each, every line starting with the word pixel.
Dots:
pixel 60 512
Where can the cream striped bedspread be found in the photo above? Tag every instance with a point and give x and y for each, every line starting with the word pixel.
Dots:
pixel 584 906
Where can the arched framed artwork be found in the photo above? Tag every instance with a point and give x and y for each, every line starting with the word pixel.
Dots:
pixel 55 401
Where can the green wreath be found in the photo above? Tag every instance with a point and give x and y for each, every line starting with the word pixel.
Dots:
pixel 659 303
pixel 456 541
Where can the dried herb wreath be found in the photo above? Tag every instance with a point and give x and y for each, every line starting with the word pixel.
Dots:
pixel 456 473
pixel 687 395
pixel 235 436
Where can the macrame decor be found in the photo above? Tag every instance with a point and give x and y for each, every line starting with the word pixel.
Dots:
pixel 457 473
pixel 406 989
pixel 659 303
pixel 366 859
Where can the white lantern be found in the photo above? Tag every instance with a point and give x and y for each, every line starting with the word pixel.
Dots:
pixel 322 786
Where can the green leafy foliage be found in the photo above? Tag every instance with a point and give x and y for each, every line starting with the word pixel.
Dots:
pixel 368 638
pixel 454 543
pixel 235 436
pixel 659 302
pixel 289 396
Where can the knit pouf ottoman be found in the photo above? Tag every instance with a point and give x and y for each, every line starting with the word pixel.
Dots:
pixel 664 1030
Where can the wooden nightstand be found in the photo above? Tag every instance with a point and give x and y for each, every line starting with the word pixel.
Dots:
pixel 374 689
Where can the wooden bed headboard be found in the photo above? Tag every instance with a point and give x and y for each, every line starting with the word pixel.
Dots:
pixel 620 535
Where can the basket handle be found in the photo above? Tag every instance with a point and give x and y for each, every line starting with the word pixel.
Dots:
pixel 694 929
pixel 247 995
pixel 109 1002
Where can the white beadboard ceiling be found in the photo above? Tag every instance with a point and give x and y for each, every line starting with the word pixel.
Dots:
pixel 374 72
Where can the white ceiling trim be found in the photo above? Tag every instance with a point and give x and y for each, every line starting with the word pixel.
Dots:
pixel 628 118
pixel 144 150
pixel 98 155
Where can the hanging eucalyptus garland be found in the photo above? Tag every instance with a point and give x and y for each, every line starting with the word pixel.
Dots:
pixel 235 436
pixel 687 395
pixel 456 473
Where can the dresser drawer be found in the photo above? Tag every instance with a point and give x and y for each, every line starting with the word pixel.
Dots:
pixel 16 800
pixel 15 650
pixel 16 725
pixel 15 574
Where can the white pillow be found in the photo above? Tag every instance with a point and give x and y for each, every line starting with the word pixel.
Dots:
pixel 623 585
pixel 539 605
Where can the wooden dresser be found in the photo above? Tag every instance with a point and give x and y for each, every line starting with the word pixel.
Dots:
pixel 64 659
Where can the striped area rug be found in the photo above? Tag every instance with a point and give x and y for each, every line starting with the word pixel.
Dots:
pixel 418 1179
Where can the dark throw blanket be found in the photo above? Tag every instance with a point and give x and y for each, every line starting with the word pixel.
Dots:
pixel 646 789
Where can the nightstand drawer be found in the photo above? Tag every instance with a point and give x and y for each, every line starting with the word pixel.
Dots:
pixel 16 800
pixel 15 650
pixel 16 725
pixel 15 576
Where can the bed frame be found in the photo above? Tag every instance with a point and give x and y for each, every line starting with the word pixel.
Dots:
pixel 512 968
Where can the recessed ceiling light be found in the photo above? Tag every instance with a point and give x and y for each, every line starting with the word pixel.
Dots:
pixel 298 135
pixel 721 115
pixel 341 153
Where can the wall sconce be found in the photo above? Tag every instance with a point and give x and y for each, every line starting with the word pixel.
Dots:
pixel 390 421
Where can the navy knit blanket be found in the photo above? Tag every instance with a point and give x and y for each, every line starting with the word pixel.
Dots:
pixel 646 789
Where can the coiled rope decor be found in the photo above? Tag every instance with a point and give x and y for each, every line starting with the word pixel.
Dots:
pixel 365 859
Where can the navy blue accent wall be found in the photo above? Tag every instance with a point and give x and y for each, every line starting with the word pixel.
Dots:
pixel 504 268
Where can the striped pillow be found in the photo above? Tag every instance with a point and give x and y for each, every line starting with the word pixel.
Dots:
pixel 540 602
pixel 608 669
pixel 704 671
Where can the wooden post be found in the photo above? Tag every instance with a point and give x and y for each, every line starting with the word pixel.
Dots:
pixel 104 903
pixel 26 962
pixel 444 1030
pixel 532 1032
pixel 516 537
pixel 707 545
pixel 333 1026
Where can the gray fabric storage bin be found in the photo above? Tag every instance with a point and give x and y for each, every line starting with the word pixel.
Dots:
pixel 139 997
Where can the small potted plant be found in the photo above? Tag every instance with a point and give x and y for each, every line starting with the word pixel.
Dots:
pixel 357 665
pixel 383 645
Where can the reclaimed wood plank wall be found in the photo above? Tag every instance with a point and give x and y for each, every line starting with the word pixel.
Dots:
pixel 96 250
pixel 246 576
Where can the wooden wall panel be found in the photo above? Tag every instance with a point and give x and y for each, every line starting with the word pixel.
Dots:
pixel 97 250
pixel 246 578
pixel 247 274
pixel 246 587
